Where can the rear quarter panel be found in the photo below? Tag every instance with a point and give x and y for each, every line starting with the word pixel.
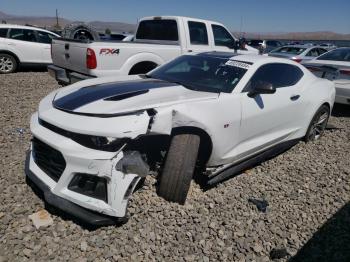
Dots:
pixel 317 91
pixel 126 55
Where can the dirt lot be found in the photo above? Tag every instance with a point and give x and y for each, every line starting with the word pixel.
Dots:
pixel 307 189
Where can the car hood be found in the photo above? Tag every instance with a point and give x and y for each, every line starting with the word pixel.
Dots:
pixel 126 97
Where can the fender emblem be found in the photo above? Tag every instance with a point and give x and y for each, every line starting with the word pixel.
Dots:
pixel 109 51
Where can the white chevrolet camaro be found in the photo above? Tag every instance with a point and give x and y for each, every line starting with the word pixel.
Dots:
pixel 221 112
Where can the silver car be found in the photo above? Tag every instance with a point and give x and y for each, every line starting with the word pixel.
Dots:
pixel 338 61
pixel 298 53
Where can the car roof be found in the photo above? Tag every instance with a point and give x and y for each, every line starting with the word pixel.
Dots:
pixel 249 58
pixel 25 27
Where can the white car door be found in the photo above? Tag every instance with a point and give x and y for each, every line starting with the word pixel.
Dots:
pixel 268 119
pixel 45 39
pixel 23 42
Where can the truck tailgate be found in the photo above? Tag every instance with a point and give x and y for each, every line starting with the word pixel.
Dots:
pixel 70 54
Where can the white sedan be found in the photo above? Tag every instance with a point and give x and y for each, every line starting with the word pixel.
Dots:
pixel 338 61
pixel 94 140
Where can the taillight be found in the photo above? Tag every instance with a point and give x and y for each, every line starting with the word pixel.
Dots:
pixel 345 72
pixel 298 60
pixel 91 62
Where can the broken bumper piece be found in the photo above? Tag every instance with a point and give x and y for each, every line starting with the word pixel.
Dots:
pixel 92 185
pixel 85 215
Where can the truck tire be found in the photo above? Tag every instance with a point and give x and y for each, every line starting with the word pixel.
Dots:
pixel 80 31
pixel 8 64
pixel 178 169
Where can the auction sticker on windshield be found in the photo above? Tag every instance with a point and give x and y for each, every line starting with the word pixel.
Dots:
pixel 237 64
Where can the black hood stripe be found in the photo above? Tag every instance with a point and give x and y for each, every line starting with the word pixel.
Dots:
pixel 90 94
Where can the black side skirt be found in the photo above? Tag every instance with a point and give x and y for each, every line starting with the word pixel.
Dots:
pixel 251 162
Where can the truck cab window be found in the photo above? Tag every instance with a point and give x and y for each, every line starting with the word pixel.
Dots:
pixel 198 33
pixel 163 29
pixel 222 37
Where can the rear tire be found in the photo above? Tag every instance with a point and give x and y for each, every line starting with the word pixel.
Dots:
pixel 8 64
pixel 318 124
pixel 178 169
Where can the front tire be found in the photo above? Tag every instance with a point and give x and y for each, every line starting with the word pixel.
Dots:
pixel 8 64
pixel 318 124
pixel 179 166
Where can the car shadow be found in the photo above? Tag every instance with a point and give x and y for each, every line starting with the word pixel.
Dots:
pixel 55 211
pixel 340 110
pixel 32 68
pixel 331 243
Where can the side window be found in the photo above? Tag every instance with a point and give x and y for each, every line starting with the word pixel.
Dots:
pixel 3 32
pixel 313 52
pixel 198 33
pixel 278 74
pixel 44 37
pixel 272 43
pixel 22 34
pixel 321 51
pixel 221 36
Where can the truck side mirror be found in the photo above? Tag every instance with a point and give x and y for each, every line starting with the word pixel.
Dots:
pixel 235 45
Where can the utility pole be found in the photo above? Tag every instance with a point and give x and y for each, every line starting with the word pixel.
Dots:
pixel 57 25
pixel 240 27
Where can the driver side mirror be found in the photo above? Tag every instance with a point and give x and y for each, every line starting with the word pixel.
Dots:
pixel 261 87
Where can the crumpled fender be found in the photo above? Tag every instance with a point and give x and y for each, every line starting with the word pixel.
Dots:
pixel 167 119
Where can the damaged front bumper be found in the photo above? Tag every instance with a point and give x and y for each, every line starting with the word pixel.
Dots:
pixel 89 184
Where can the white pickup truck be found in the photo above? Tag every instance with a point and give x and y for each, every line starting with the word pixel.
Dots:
pixel 157 40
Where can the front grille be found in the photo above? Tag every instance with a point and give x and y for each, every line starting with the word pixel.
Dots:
pixel 48 159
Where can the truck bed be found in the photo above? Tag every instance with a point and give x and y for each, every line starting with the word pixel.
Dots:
pixel 111 56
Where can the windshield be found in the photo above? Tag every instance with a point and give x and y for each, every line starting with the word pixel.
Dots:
pixel 342 54
pixel 202 73
pixel 289 50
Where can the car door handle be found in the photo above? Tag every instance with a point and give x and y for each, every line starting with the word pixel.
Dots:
pixel 294 97
pixel 11 43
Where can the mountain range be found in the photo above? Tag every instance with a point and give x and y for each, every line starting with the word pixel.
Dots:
pixel 50 23
pixel 117 27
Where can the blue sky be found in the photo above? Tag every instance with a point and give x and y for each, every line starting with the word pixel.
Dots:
pixel 257 15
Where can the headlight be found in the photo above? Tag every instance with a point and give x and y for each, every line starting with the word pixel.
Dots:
pixel 110 144
pixel 103 143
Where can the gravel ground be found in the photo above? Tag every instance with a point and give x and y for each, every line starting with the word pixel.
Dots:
pixel 307 189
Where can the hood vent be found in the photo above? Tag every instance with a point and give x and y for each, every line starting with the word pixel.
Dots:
pixel 126 95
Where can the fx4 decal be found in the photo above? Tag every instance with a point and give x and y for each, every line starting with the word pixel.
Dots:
pixel 109 51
